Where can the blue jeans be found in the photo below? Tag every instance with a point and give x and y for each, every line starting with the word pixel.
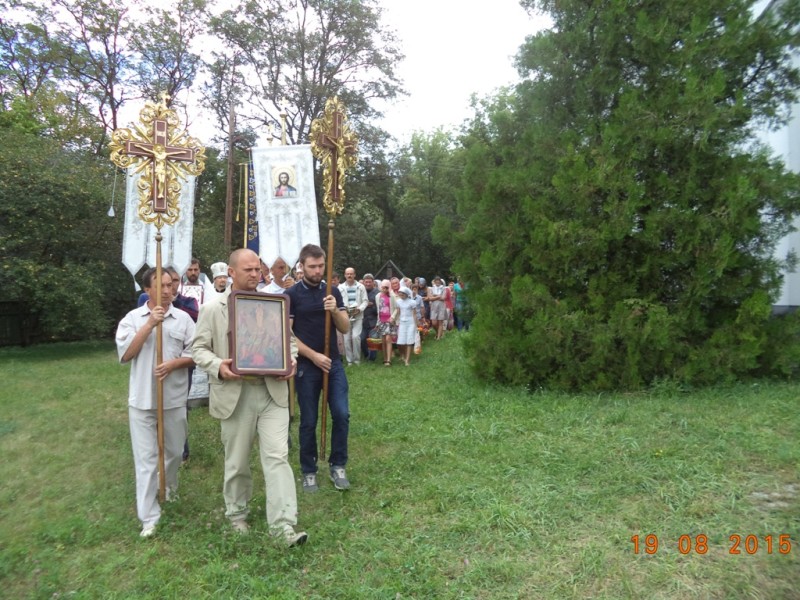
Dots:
pixel 308 383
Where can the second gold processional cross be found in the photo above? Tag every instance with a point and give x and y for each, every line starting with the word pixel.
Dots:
pixel 335 145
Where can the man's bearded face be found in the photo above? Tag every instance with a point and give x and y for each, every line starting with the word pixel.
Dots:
pixel 193 273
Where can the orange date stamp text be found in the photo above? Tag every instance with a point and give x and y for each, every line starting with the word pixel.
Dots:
pixel 698 544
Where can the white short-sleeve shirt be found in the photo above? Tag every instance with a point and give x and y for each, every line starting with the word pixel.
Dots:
pixel 177 335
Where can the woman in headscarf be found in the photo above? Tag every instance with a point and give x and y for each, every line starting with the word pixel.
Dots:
pixel 407 322
pixel 438 309
pixel 386 318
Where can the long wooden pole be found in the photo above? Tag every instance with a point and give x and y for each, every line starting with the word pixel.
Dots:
pixel 162 474
pixel 328 289
pixel 228 233
pixel 152 146
pixel 291 399
pixel 246 202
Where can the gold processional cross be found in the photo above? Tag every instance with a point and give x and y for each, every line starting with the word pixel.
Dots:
pixel 164 154
pixel 334 144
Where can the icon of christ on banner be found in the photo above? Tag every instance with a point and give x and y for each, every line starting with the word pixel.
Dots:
pixel 282 180
pixel 287 216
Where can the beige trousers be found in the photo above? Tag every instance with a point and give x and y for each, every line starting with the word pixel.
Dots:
pixel 352 341
pixel 257 414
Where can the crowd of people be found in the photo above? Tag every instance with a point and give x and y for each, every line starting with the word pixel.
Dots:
pixel 400 312
pixel 368 316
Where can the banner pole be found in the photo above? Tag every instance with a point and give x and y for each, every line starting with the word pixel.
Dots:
pixel 246 204
pixel 162 473
pixel 328 291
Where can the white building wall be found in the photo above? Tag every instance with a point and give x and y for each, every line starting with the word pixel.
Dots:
pixel 785 143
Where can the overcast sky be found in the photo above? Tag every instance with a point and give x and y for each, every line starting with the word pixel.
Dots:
pixel 452 51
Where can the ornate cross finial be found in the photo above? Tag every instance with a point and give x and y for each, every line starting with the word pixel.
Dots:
pixel 163 155
pixel 335 145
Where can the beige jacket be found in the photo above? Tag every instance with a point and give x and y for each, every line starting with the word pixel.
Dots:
pixel 211 347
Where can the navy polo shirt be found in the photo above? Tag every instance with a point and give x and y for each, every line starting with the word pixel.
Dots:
pixel 308 315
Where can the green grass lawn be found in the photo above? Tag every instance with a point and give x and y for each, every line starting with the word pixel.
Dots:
pixel 459 490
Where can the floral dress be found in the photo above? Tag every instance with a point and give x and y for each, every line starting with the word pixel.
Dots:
pixel 384 302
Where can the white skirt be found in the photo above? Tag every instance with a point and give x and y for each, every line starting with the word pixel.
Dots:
pixel 405 333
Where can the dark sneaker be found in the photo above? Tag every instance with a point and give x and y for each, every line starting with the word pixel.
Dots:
pixel 339 478
pixel 310 482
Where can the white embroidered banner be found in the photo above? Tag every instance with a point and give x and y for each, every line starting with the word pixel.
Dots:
pixel 139 239
pixel 286 205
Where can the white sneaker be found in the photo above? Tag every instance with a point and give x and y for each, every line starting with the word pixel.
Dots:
pixel 148 531
pixel 295 538
pixel 240 526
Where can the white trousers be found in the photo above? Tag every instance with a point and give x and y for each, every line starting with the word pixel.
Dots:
pixel 144 442
pixel 257 413
pixel 352 341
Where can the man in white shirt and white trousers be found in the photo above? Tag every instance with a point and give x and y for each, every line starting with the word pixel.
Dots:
pixel 355 299
pixel 136 343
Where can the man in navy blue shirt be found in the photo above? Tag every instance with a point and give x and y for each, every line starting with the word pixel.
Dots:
pixel 309 303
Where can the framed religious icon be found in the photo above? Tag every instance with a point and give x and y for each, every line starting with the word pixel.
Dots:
pixel 260 342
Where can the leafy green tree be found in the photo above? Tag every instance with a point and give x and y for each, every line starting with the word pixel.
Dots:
pixel 56 242
pixel 288 55
pixel 223 89
pixel 209 211
pixel 31 75
pixel 620 219
pixel 429 170
pixel 301 53
pixel 362 232
pixel 164 59
pixel 20 115
pixel 94 37
pixel 71 60
pixel 393 202
pixel 29 56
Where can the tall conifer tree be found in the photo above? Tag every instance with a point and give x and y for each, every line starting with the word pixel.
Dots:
pixel 621 219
